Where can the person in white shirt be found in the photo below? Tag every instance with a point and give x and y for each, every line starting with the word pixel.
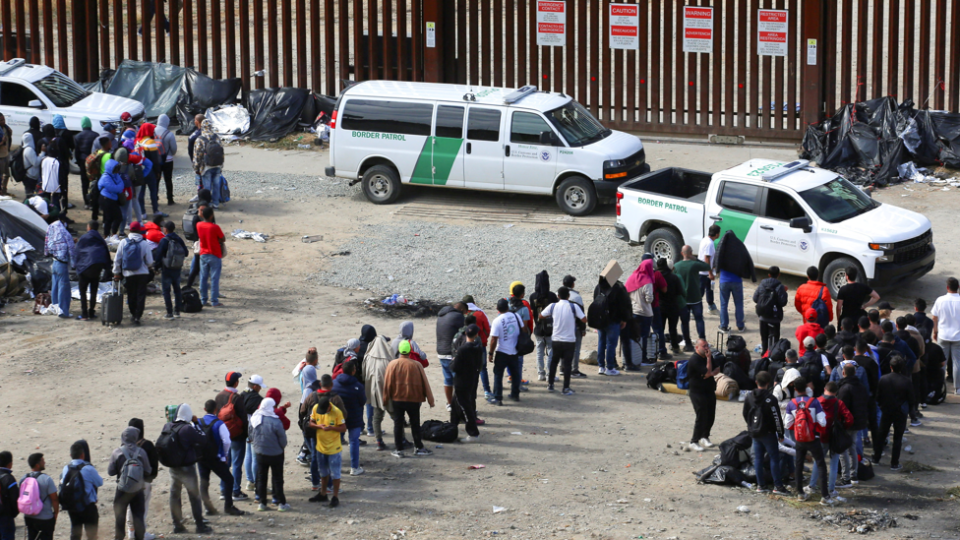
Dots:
pixel 946 327
pixel 40 206
pixel 565 315
pixel 708 249
pixel 50 175
pixel 504 333
pixel 570 282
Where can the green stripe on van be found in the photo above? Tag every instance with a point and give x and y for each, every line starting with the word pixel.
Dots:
pixel 423 172
pixel 440 153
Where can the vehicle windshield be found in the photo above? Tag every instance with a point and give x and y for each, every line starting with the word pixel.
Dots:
pixel 63 92
pixel 838 200
pixel 577 125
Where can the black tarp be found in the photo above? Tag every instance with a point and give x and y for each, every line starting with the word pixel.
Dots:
pixel 275 112
pixel 155 85
pixel 867 141
pixel 102 83
pixel 199 92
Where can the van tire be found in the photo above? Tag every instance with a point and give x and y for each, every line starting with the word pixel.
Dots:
pixel 576 196
pixel 835 274
pixel 381 185
pixel 663 244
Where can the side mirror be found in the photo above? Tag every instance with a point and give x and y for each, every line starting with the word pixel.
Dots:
pixel 548 138
pixel 801 223
pixel 35 103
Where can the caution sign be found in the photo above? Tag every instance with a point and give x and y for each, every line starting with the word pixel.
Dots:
pixel 697 29
pixel 551 23
pixel 624 26
pixel 772 29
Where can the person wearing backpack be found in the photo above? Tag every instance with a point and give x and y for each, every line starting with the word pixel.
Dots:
pixel 810 328
pixel 541 298
pixel 816 295
pixel 79 483
pixel 171 253
pixel 238 435
pixel 38 500
pixel 761 411
pixel 6 143
pixel 216 460
pixel 835 411
pixel 130 464
pixel 895 397
pixel 180 444
pixel 154 460
pixel 806 419
pixel 770 298
pixel 133 264
pixel 208 160
pixel 269 442
pixel 9 493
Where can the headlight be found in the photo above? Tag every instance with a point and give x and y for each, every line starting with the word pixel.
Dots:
pixel 614 164
pixel 881 247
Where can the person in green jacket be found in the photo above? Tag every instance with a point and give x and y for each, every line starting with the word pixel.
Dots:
pixel 688 270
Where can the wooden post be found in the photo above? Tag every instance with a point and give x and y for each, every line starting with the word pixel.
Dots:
pixel 432 40
pixel 811 97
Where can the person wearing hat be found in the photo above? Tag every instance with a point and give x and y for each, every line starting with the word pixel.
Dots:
pixel 251 402
pixel 135 277
pixel 468 362
pixel 854 297
pixel 109 133
pixel 406 387
pixel 810 328
pixel 238 443
pixel 504 333
pixel 83 145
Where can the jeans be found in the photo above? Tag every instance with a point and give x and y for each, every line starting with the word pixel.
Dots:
pixel 185 477
pixel 544 349
pixel 767 443
pixel 412 410
pixel 353 434
pixel 150 182
pixel 147 492
pixel 135 502
pixel 951 350
pixel 484 377
pixel 134 207
pixel 769 330
pixel 706 287
pixel 250 463
pixel 576 354
pixel 705 407
pixel 60 288
pixel 194 270
pixel 899 422
pixel 697 311
pixel 658 321
pixel 607 346
pixel 238 449
pixel 314 463
pixel 211 180
pixel 8 527
pixel 88 520
pixel 736 289
pixel 270 466
pixel 136 286
pixel 645 324
pixel 834 467
pixel 222 470
pixel 815 448
pixel 210 266
pixel 501 362
pixel 89 286
pixel 849 460
pixel 562 355
pixel 170 277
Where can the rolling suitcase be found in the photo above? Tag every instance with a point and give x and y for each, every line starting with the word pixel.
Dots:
pixel 111 306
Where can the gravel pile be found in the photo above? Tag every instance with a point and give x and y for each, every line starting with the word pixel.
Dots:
pixel 252 185
pixel 443 262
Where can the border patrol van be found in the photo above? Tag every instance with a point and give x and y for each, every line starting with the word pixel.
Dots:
pixel 388 133
pixel 789 215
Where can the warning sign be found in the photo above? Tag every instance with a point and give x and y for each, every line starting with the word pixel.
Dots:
pixel 551 23
pixel 772 28
pixel 624 26
pixel 697 29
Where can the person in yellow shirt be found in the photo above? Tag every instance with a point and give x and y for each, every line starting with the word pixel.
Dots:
pixel 328 421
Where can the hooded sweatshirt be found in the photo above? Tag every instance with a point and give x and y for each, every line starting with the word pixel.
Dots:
pixel 308 378
pixel 769 408
pixel 276 396
pixel 147 447
pixel 354 397
pixel 269 437
pixel 190 437
pixel 406 333
pixel 541 298
pixel 207 136
pixel 640 287
pixel 367 334
pixel 780 298
pixel 374 369
pixel 781 390
pixel 467 365
pixel 146 257
pixel 808 329
pixel 167 139
pixel 83 142
pixel 31 161
pixel 128 447
pixel 449 320
pixel 110 183
pixel 35 129
pixel 91 250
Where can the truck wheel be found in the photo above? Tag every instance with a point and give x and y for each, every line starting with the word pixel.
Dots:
pixel 576 196
pixel 835 275
pixel 663 244
pixel 381 185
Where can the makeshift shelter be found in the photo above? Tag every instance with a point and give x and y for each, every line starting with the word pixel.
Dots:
pixel 157 86
pixel 275 112
pixel 199 93
pixel 17 220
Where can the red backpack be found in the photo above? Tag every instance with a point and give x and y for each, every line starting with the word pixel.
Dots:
pixel 804 430
pixel 231 418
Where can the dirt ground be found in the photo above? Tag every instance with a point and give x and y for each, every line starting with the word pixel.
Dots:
pixel 604 464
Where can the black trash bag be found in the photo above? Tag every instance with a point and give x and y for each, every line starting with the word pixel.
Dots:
pixel 720 475
pixel 865 141
pixel 895 153
pixel 814 141
pixel 928 152
pixel 275 112
pixel 734 452
pixel 155 85
pixel 946 126
pixel 437 431
pixel 748 473
pixel 199 92
pixel 40 270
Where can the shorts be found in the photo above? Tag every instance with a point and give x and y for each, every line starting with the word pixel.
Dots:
pixel 330 465
pixel 446 362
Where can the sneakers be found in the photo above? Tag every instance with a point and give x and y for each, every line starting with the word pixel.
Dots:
pixel 195 199
pixel 251 486
pixel 632 367
pixel 176 314
pixel 844 485
pixel 262 508
pixel 664 356
pixel 696 447
pixel 803 497
pixel 601 371
pixel 240 496
pixel 780 490
pixel 381 447
pixel 705 442
pixel 836 497
pixel 551 389
pixel 916 423
pixel 304 462
pixel 284 508
pixel 356 472
pixel 334 501
pixel 488 395
pixel 449 407
pixel 204 529
pixel 724 329
pixel 398 454
pixel 829 501
pixel 168 317
pixel 762 490
pixel 147 536
pixel 319 497
pixel 612 373
pixel 470 439
pixel 568 392
pixel 688 348
pixel 808 490
pixel 712 308
pixel 315 487
pixel 524 389
pixel 423 452
pixel 541 377
pixel 577 375
pixel 896 467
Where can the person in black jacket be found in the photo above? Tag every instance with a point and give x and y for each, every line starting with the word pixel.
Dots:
pixel 541 298
pixel 9 492
pixel 354 397
pixel 857 399
pixel 895 397
pixel 671 303
pixel 732 263
pixel 923 323
pixel 766 430
pixel 190 440
pixel 449 321
pixel 83 147
pixel 170 277
pixel 466 367
pixel 771 318
pixel 619 312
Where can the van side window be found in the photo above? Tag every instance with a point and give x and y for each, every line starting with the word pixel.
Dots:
pixel 483 125
pixel 450 122
pixel 16 95
pixel 782 206
pixel 527 127
pixel 382 116
pixel 739 197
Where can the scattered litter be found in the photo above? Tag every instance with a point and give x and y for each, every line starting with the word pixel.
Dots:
pixel 857 521
pixel 390 278
pixel 477 467
pixel 449 270
pixel 244 321
pixel 498 509
pixel 508 226
pixel 398 305
pixel 438 446
pixel 259 191
pixel 516 433
pixel 909 171
pixel 743 509
pixel 393 300
pixel 240 234
pixel 622 501
pixel 52 309
pixel 340 254
pixel 290 189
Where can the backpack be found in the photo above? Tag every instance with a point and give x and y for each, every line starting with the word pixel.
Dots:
pixel 175 255
pixel 779 349
pixel 525 344
pixel 598 314
pixel 29 503
pixel 804 430
pixel 767 303
pixel 810 370
pixel 73 490
pixel 732 369
pixel 169 447
pixel 757 423
pixel 224 190
pixel 131 475
pixel 136 175
pixel 213 153
pixel 758 365
pixel 17 169
pixel 438 431
pixel 211 448
pixel 683 381
pixel 132 258
pixel 228 415
pixel 823 314
pixel 840 440
pixel 92 165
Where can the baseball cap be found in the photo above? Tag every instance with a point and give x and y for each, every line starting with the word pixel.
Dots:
pixel 110 127
pixel 126 117
pixel 136 227
pixel 468 299
pixel 473 330
pixel 257 380
pixel 810 315
pixel 404 347
pixel 353 343
pixel 885 305
pixel 233 377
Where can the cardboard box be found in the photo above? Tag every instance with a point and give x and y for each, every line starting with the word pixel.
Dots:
pixel 612 272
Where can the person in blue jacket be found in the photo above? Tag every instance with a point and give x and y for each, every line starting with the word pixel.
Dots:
pixel 354 397
pixel 111 186
pixel 92 257
pixel 87 519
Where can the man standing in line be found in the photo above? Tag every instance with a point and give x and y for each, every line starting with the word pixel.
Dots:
pixel 189 440
pixel 853 298
pixel 702 392
pixel 484 324
pixel 504 333
pixel 9 493
pixel 539 300
pixel 895 397
pixel 688 270
pixel 406 385
pixel 761 411
pixel 41 526
pixel 133 263
pixel 59 244
pixel 88 518
pixel 734 263
pixel 208 160
pixel 449 320
pixel 219 464
pixel 706 253
pixel 467 364
pixel 238 443
pixel 251 399
pixel 170 256
pixel 211 258
pixel 569 282
pixel 564 315
pixel 770 298
pixel 612 323
pixel 946 327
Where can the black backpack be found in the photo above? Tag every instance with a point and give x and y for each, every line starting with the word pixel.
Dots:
pixel 210 445
pixel 756 420
pixel 8 501
pixel 758 365
pixel 767 303
pixel 437 431
pixel 810 370
pixel 175 255
pixel 598 314
pixel 170 448
pixel 732 370
pixel 17 170
pixel 73 490
pixel 840 440
pixel 213 156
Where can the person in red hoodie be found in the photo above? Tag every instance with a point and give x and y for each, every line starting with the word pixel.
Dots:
pixel 835 411
pixel 281 410
pixel 154 229
pixel 809 291
pixel 809 328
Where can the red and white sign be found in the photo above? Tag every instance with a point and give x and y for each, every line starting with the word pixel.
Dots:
pixel 772 29
pixel 697 29
pixel 551 23
pixel 624 26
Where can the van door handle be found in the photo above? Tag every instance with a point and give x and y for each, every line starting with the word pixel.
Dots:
pixel 718 219
pixel 766 227
pixel 506 150
pixel 469 148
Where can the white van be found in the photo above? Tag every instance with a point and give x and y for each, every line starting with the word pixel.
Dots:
pixel 387 133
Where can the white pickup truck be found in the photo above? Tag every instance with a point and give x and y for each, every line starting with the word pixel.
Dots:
pixel 789 215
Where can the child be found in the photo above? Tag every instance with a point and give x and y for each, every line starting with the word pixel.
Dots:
pixel 328 421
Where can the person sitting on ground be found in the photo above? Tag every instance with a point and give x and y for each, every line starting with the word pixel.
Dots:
pixel 154 229
pixel 40 203
pixel 791 361
pixel 788 389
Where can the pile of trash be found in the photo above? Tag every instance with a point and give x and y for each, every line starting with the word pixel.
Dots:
pixel 401 307
pixel 23 266
pixel 857 521
pixel 867 142
pixel 241 234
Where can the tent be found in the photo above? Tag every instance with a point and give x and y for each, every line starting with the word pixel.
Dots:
pixel 19 220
